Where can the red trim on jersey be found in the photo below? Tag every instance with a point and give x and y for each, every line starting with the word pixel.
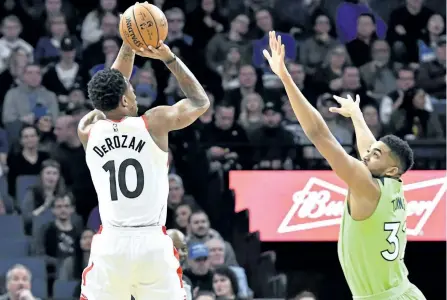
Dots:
pixel 85 272
pixel 146 123
pixel 99 230
pixel 177 256
pixel 83 297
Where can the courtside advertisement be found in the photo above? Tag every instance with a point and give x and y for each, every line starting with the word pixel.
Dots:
pixel 308 205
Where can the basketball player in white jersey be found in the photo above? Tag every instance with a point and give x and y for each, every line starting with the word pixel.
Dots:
pixel 127 157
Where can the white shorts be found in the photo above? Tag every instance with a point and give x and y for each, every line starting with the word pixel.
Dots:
pixel 141 261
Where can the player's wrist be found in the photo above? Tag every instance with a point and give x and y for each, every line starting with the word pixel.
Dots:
pixel 169 58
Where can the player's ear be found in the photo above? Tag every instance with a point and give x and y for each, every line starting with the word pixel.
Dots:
pixel 124 101
pixel 392 172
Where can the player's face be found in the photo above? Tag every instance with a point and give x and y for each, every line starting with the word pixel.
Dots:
pixel 222 286
pixel 379 161
pixel 20 279
pixel 130 101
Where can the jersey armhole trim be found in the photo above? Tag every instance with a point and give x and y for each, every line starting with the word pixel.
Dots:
pixel 146 123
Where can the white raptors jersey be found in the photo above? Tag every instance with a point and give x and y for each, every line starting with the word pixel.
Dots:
pixel 130 173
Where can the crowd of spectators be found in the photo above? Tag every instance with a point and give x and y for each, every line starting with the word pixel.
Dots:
pixel 393 57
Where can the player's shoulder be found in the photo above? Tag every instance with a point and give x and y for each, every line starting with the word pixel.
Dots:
pixel 156 117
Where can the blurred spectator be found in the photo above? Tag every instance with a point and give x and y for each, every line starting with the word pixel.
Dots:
pixel 61 77
pixel 40 197
pixel 405 26
pixel 110 49
pixel 412 121
pixel 315 48
pixel 224 138
pixel 248 83
pixel 372 119
pixel 392 101
pixel 225 284
pixel 71 155
pixel 182 213
pixel 10 41
pixel 378 74
pixel 91 27
pixel 205 295
pixel 18 284
pixel 199 231
pixel 329 76
pixel 230 69
pixel 145 87
pixel 77 100
pixel 72 266
pixel 27 160
pixel 302 81
pixel 359 48
pixel 11 76
pixel 298 14
pixel 251 112
pixel 432 74
pixel 429 40
pixel 46 137
pixel 93 53
pixel 28 102
pixel 204 22
pixel 198 270
pixel 274 145
pixel 48 48
pixel 216 248
pixel 4 149
pixel 175 197
pixel 264 24
pixel 221 43
pixel 56 240
pixel 291 123
pixel 305 295
pixel 348 13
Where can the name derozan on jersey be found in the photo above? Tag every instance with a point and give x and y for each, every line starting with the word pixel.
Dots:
pixel 119 141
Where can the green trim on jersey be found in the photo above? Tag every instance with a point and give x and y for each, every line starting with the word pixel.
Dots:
pixel 371 251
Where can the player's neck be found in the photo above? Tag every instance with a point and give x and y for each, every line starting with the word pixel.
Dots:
pixel 115 115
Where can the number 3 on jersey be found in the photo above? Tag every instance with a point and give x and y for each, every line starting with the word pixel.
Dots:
pixel 111 168
pixel 393 240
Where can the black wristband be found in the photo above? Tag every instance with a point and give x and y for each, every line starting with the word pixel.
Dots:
pixel 171 60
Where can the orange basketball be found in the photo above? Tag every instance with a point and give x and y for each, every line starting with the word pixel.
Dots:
pixel 143 25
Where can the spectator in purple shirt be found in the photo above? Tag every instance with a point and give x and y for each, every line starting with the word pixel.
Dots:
pixel 346 19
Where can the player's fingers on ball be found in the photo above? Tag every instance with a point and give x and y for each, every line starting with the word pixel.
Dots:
pixel 337 98
pixel 357 98
pixel 279 39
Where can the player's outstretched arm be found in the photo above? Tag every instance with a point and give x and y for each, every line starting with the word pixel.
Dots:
pixel 86 123
pixel 124 60
pixel 351 109
pixel 349 169
pixel 186 111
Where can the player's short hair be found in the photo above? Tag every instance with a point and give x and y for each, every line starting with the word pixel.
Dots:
pixel 106 88
pixel 400 150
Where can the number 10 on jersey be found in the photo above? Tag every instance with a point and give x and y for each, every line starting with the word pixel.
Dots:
pixel 110 167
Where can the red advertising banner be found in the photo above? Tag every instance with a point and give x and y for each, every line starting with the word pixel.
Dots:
pixel 308 205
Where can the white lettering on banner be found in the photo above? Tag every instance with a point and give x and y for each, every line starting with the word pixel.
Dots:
pixel 323 212
pixel 314 205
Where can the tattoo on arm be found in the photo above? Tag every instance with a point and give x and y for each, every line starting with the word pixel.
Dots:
pixel 188 83
pixel 126 53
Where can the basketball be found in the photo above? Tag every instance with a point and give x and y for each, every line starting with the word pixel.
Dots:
pixel 143 25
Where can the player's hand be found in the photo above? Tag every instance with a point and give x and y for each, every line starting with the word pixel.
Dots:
pixel 276 59
pixel 163 52
pixel 348 107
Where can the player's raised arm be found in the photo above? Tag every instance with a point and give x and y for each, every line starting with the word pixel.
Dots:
pixel 186 111
pixel 349 169
pixel 124 60
pixel 351 109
